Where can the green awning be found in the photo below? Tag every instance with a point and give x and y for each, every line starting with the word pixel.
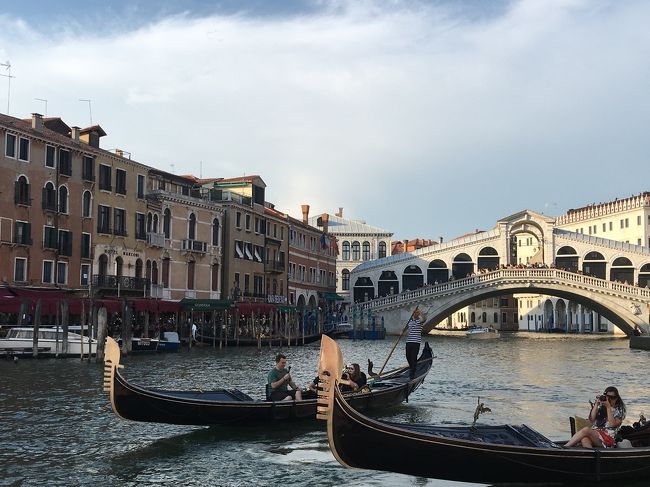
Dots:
pixel 206 304
pixel 287 309
pixel 333 297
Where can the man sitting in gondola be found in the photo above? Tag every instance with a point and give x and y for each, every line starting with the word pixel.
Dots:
pixel 279 380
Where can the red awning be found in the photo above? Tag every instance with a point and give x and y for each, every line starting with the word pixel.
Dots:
pixel 169 306
pixel 111 305
pixel 257 308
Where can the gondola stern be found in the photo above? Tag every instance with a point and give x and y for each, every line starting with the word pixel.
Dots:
pixel 111 364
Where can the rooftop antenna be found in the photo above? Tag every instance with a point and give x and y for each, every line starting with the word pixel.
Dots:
pixel 44 101
pixel 90 110
pixel 7 66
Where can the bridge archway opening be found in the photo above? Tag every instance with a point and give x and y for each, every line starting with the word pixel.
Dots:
pixel 622 270
pixel 644 276
pixel 488 258
pixel 560 313
pixel 412 278
pixel 526 247
pixel 595 265
pixel 437 272
pixel 364 290
pixel 462 266
pixel 387 284
pixel 567 259
pixel 548 320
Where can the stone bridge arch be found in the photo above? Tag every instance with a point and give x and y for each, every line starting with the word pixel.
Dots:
pixel 623 317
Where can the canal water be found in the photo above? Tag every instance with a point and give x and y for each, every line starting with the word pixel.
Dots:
pixel 57 427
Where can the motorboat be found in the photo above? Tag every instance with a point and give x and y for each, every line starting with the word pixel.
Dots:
pixel 473 453
pixel 482 333
pixel 20 340
pixel 227 406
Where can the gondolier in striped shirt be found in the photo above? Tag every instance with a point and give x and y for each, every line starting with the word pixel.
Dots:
pixel 414 339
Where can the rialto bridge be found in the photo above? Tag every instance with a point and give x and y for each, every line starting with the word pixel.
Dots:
pixel 607 276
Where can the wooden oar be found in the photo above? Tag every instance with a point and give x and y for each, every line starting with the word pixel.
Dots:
pixel 398 339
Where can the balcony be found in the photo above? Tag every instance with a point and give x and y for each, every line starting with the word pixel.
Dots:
pixel 194 246
pixel 156 291
pixel 274 266
pixel 123 283
pixel 155 239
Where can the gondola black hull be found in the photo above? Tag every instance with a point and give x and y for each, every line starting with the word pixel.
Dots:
pixel 487 455
pixel 264 341
pixel 219 407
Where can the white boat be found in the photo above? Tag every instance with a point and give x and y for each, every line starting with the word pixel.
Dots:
pixel 20 340
pixel 482 333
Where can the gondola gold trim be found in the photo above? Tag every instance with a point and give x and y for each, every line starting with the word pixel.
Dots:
pixel 111 363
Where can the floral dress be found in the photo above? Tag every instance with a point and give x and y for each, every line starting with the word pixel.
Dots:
pixel 607 433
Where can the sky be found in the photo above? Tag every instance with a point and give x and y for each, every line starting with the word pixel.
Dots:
pixel 426 118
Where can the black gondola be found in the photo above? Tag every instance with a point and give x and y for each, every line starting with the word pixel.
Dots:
pixel 225 406
pixel 483 454
pixel 263 341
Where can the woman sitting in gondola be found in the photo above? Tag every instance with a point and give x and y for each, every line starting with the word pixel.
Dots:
pixel 355 376
pixel 606 416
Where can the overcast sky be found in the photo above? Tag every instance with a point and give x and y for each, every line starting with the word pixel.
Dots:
pixel 426 118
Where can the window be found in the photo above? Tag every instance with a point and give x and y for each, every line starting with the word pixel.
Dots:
pixel 346 251
pixel 48 272
pixel 356 248
pixel 638 220
pixel 85 274
pixel 165 272
pixel 65 162
pixel 238 220
pixel 105 177
pixel 248 222
pixel 627 223
pixel 85 246
pixel 22 233
pixel 63 199
pixel 215 232
pixel 61 272
pixel 622 223
pixel 214 281
pixel 23 149
pixel 239 249
pixel 167 222
pixel 248 251
pixel 87 204
pixel 10 146
pixel 119 227
pixel 140 186
pixel 103 219
pixel 20 269
pixel 366 250
pixel 190 275
pixel 604 227
pixel 120 181
pixel 49 238
pixel 50 156
pixel 22 192
pixel 140 233
pixel 49 197
pixel 161 185
pixel 88 168
pixel 191 227
pixel 346 279
pixel 611 225
pixel 65 243
pixel 382 250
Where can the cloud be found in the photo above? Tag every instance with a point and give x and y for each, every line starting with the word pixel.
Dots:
pixel 421 118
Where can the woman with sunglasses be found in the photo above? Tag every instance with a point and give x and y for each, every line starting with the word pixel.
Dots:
pixel 606 416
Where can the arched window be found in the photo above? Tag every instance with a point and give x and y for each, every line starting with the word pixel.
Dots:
pixel 167 222
pixel 149 222
pixel 366 250
pixel 63 199
pixel 215 233
pixel 22 191
pixel 165 272
pixel 496 317
pixel 356 251
pixel 155 223
pixel 138 268
pixel 484 317
pixel 346 251
pixel 473 317
pixel 190 275
pixel 191 229
pixel 87 204
pixel 345 279
pixel 49 197
pixel 154 272
pixel 103 265
pixel 119 266
pixel 382 249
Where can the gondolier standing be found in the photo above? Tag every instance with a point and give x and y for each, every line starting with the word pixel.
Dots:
pixel 414 339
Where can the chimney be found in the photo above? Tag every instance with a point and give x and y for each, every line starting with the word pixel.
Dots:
pixel 340 212
pixel 325 219
pixel 37 121
pixel 406 246
pixel 305 214
pixel 74 133
pixel 119 152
